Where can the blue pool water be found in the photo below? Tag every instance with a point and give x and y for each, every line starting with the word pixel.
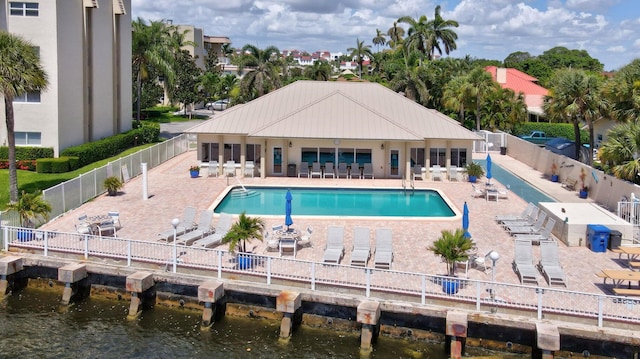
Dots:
pixel 336 202
pixel 518 186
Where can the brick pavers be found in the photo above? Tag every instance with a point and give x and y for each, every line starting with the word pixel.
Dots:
pixel 170 190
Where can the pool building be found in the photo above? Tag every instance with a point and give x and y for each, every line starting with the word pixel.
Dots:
pixel 333 122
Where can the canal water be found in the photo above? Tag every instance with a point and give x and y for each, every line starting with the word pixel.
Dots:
pixel 32 324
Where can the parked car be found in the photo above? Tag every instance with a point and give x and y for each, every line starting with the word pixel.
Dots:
pixel 537 137
pixel 219 105
pixel 565 147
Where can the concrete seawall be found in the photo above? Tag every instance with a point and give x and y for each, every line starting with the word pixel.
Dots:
pixel 293 306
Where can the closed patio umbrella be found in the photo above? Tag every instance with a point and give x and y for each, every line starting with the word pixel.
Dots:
pixel 465 220
pixel 287 218
pixel 489 175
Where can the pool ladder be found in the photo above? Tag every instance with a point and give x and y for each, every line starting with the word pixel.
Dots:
pixel 411 183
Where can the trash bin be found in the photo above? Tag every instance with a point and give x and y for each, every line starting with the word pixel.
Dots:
pixel 291 170
pixel 615 240
pixel 597 237
pixel 503 150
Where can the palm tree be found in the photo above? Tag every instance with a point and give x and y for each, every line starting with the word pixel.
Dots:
pixel 481 84
pixel 623 91
pixel 265 73
pixel 245 229
pixel 151 49
pixel 419 35
pixel 440 32
pixel 30 207
pixel 396 34
pixel 456 95
pixel 360 52
pixel 320 71
pixel 621 151
pixel 379 39
pixel 20 72
pixel 410 81
pixel 452 247
pixel 576 97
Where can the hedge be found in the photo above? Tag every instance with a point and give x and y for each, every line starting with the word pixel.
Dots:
pixel 98 150
pixel 551 129
pixel 27 153
pixel 57 165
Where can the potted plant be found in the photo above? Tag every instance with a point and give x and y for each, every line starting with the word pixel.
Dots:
pixel 112 184
pixel 474 171
pixel 584 190
pixel 452 247
pixel 554 170
pixel 243 231
pixel 30 207
pixel 194 171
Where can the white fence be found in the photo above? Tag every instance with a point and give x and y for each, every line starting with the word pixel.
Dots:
pixel 73 193
pixel 423 288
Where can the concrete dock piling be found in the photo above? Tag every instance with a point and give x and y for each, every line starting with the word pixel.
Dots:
pixel 287 303
pixel 209 292
pixel 456 331
pixel 548 339
pixel 141 285
pixel 8 265
pixel 75 278
pixel 368 315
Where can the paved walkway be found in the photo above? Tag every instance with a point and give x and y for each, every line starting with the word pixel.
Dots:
pixel 171 190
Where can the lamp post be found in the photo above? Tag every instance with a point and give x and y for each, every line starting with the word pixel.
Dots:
pixel 174 223
pixel 494 256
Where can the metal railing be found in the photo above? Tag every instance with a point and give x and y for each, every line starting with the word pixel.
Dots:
pixel 419 287
pixel 630 212
pixel 73 193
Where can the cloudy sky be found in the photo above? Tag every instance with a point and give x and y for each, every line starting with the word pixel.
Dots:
pixel 492 29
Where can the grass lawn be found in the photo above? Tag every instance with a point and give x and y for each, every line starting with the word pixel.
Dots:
pixel 167 117
pixel 33 181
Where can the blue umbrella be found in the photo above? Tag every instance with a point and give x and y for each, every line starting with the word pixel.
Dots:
pixel 287 218
pixel 489 168
pixel 465 220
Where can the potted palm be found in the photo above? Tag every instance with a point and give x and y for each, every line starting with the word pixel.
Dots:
pixel 474 171
pixel 112 184
pixel 452 247
pixel 554 170
pixel 244 230
pixel 30 207
pixel 584 190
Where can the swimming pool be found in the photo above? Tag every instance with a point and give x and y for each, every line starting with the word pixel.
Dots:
pixel 342 202
pixel 517 185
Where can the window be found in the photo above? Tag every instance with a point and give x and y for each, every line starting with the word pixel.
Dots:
pixel 363 155
pixel 210 152
pixel 33 97
pixel 346 155
pixel 28 138
pixel 309 155
pixel 232 152
pixel 459 157
pixel 437 156
pixel 23 8
pixel 417 156
pixel 254 153
pixel 327 154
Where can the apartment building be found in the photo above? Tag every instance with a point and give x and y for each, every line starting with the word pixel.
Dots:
pixel 85 47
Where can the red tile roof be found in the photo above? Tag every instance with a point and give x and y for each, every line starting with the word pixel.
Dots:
pixel 520 82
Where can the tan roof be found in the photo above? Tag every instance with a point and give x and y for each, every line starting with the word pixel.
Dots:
pixel 335 110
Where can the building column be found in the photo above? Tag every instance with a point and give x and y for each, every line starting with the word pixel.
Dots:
pixel 288 302
pixel 456 331
pixel 427 157
pixel 368 315
pixel 76 285
pixel 209 292
pixel 141 286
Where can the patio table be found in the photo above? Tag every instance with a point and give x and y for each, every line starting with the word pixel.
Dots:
pixel 288 240
pixel 618 276
pixel 632 254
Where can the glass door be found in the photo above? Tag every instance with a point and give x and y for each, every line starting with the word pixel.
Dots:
pixel 277 160
pixel 394 163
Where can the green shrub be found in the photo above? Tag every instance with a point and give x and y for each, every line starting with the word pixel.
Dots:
pixel 60 165
pixel 44 165
pixel 27 153
pixel 551 129
pixel 74 163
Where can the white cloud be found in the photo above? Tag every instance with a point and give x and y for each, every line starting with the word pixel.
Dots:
pixel 618 49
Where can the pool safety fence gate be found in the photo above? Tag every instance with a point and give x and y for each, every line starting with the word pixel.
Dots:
pixel 540 302
pixel 630 212
pixel 73 193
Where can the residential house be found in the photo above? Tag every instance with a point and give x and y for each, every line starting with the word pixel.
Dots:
pixel 85 48
pixel 520 82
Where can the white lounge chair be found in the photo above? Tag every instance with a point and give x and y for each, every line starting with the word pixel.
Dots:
pixel 476 192
pixel 417 172
pixel 328 170
pixel 213 239
pixel 436 173
pixel 523 262
pixel 454 174
pixel 249 168
pixel 354 170
pixel 213 169
pixel 230 168
pixel 343 171
pixel 203 229
pixel 535 229
pixel 550 265
pixel 367 170
pixel 384 249
pixel 335 245
pixel 543 236
pixel 517 217
pixel 528 220
pixel 316 170
pixel 361 247
pixel 303 171
pixel 187 224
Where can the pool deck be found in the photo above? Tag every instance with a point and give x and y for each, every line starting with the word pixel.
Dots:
pixel 170 190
